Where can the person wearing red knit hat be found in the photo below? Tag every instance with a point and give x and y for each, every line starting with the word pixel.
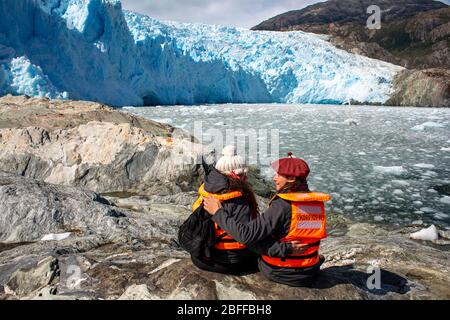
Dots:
pixel 291 174
pixel 295 217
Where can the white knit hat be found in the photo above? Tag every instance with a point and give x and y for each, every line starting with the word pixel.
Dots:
pixel 231 162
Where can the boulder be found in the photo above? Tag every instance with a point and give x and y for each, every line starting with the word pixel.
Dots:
pixel 137 292
pixel 88 145
pixel 33 277
pixel 31 209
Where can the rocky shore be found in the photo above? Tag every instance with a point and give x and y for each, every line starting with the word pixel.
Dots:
pixel 117 226
pixel 422 88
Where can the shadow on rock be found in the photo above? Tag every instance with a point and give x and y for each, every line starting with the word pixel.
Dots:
pixel 389 282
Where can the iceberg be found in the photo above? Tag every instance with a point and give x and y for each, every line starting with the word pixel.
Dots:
pixel 396 170
pixel 426 125
pixel 95 50
pixel 424 166
pixel 430 234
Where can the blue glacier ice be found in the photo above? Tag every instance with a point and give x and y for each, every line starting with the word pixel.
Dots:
pixel 94 50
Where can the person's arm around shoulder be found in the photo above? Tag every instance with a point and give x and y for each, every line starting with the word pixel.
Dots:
pixel 259 229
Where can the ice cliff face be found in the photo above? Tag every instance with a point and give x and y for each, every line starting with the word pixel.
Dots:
pixel 93 50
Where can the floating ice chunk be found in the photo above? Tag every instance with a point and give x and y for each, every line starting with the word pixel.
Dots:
pixel 351 122
pixel 418 203
pixel 347 190
pixel 425 125
pixel 346 174
pixel 211 111
pixel 429 174
pixel 440 215
pixel 56 236
pixel 398 192
pixel 424 166
pixel 378 218
pixel 445 149
pixel 430 234
pixel 417 222
pixel 445 200
pixel 361 153
pixel 427 210
pixel 402 183
pixel 390 170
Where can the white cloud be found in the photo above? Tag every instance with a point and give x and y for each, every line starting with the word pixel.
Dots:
pixel 242 13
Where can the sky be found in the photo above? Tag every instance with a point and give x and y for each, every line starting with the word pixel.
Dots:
pixel 241 13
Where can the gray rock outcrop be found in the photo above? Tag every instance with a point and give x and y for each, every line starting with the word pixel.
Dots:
pixel 95 147
pixel 30 209
pixel 133 254
pixel 422 88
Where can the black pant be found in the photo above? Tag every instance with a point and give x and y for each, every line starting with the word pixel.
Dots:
pixel 304 277
pixel 247 266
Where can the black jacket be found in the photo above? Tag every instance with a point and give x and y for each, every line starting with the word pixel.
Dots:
pixel 238 209
pixel 273 225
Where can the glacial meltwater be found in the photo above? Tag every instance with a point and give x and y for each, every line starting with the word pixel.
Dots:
pixel 381 164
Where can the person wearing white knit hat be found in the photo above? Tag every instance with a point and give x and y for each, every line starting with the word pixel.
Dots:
pixel 231 163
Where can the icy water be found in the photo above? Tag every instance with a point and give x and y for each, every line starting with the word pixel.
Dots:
pixel 380 164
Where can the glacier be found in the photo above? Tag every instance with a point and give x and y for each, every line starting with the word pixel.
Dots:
pixel 94 50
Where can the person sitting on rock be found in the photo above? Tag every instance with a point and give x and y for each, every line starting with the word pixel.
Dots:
pixel 227 183
pixel 295 216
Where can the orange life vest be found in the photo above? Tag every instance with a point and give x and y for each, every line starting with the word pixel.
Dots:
pixel 224 241
pixel 308 225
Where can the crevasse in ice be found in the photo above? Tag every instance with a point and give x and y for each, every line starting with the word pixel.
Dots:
pixel 94 50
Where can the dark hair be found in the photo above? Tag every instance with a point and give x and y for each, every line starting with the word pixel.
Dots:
pixel 299 185
pixel 247 192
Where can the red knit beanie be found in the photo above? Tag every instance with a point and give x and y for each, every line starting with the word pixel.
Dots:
pixel 291 167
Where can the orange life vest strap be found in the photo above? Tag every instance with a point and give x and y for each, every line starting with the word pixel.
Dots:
pixel 197 203
pixel 305 197
pixel 220 197
pixel 223 242
pixel 297 262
